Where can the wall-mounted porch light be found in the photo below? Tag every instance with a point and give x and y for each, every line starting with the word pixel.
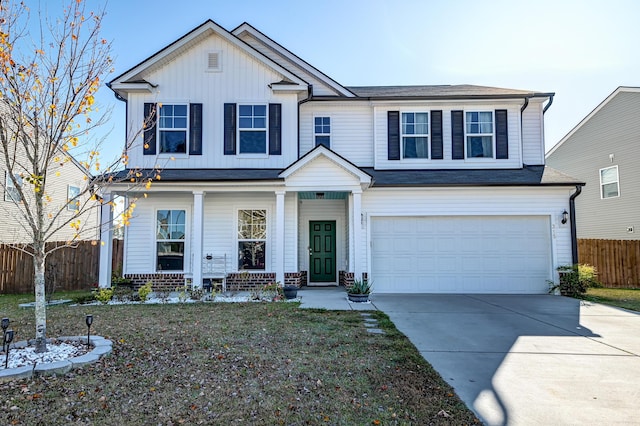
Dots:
pixel 565 217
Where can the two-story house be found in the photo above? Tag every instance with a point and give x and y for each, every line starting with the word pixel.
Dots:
pixel 291 176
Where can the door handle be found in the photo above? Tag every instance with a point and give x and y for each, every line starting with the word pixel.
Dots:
pixel 310 251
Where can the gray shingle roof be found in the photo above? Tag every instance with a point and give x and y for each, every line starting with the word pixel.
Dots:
pixel 440 91
pixel 205 175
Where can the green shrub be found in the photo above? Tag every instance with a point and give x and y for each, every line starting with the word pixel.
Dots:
pixel 104 295
pixel 84 298
pixel 144 291
pixel 359 287
pixel 575 280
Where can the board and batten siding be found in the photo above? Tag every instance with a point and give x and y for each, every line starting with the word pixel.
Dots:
pixel 242 79
pixel 533 134
pixel 319 87
pixel 351 129
pixel 513 128
pixel 613 130
pixel 472 202
pixel 219 233
pixel 323 210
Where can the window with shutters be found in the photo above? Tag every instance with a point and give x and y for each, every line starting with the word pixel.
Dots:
pixel 173 125
pixel 415 135
pixel 609 182
pixel 252 129
pixel 479 134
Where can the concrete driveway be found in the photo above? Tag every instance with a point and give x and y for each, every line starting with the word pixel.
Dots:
pixel 528 360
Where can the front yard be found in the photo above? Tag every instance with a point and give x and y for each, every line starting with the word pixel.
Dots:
pixel 620 297
pixel 231 363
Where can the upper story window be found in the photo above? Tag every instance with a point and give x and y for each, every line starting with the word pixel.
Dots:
pixel 252 128
pixel 609 182
pixel 73 203
pixel 170 236
pixel 479 134
pixel 415 135
pixel 322 131
pixel 172 128
pixel 11 193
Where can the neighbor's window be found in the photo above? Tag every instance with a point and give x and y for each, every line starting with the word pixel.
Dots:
pixel 252 128
pixel 11 192
pixel 479 132
pixel 73 203
pixel 415 135
pixel 252 237
pixel 322 130
pixel 172 127
pixel 170 235
pixel 609 182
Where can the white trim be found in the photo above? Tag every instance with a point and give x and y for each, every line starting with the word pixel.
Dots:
pixel 313 124
pixel 106 241
pixel 617 181
pixel 264 154
pixel 267 240
pixel 160 129
pixel 197 237
pixel 186 255
pixel 493 136
pixel 280 236
pixel 415 135
pixel 321 150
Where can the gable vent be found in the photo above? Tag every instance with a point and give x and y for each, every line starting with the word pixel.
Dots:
pixel 213 61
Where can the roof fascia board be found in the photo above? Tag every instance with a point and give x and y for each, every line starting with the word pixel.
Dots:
pixel 332 156
pixel 518 97
pixel 597 109
pixel 257 34
pixel 208 25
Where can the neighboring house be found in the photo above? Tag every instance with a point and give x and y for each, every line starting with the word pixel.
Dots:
pixel 603 150
pixel 295 178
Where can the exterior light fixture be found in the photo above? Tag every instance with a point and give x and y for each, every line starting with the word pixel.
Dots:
pixel 565 217
pixel 89 320
pixel 8 337
pixel 5 324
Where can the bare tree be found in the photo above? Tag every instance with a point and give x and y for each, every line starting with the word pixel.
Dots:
pixel 50 71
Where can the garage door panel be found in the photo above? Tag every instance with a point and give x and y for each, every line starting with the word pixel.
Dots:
pixel 479 254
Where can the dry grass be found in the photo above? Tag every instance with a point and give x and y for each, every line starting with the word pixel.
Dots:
pixel 620 297
pixel 253 363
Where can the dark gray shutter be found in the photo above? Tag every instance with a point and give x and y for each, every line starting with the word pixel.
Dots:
pixel 195 129
pixel 457 135
pixel 229 129
pixel 502 138
pixel 393 135
pixel 436 135
pixel 275 129
pixel 150 120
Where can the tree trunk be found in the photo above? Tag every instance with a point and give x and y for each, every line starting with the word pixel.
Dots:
pixel 41 301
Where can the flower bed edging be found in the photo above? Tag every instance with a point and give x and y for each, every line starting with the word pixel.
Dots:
pixel 101 347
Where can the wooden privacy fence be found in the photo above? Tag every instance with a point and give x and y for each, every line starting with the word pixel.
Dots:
pixel 617 261
pixel 68 268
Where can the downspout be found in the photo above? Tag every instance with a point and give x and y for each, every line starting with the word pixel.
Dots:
pixel 572 219
pixel 549 104
pixel 524 106
pixel 305 100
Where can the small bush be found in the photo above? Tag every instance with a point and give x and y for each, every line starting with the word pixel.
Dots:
pixel 84 298
pixel 359 287
pixel 575 280
pixel 144 291
pixel 104 295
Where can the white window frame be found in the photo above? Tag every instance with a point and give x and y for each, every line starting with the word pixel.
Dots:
pixel 265 240
pixel 616 181
pixel 183 240
pixel 162 129
pixel 322 125
pixel 239 130
pixel 469 134
pixel 73 203
pixel 10 188
pixel 404 135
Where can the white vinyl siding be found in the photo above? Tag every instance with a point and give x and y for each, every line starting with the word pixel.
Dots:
pixel 532 134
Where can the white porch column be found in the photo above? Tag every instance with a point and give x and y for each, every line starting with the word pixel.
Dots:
pixel 357 233
pixel 106 241
pixel 196 239
pixel 280 236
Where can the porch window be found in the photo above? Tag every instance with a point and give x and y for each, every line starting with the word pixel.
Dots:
pixel 479 133
pixel 252 126
pixel 170 234
pixel 609 181
pixel 252 238
pixel 173 129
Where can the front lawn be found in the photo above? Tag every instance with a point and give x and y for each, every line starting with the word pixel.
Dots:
pixel 231 363
pixel 620 297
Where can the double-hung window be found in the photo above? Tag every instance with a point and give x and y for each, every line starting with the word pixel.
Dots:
pixel 170 236
pixel 609 182
pixel 73 203
pixel 172 127
pixel 322 131
pixel 11 193
pixel 479 134
pixel 252 238
pixel 252 128
pixel 415 135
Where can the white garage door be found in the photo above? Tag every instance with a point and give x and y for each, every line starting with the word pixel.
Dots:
pixel 461 254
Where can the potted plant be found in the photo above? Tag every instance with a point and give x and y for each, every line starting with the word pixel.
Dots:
pixel 290 291
pixel 359 291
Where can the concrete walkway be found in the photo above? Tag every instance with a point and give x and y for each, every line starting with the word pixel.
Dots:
pixel 520 360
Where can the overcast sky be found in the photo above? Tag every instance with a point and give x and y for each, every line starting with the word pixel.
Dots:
pixel 581 50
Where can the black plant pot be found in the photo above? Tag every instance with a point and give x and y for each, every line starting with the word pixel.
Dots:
pixel 358 297
pixel 290 292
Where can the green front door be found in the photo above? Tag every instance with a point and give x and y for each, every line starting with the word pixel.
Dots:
pixel 322 251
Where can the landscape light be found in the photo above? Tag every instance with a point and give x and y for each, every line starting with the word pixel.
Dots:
pixel 89 320
pixel 5 324
pixel 9 338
